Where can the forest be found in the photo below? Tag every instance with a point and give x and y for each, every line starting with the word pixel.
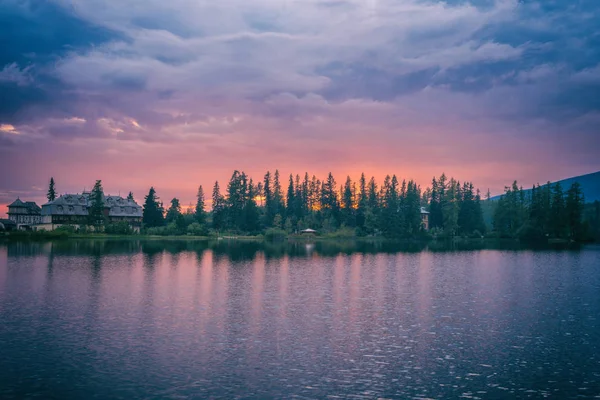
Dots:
pixel 390 209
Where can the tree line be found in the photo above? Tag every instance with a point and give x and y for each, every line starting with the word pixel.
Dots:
pixel 546 212
pixel 391 208
pixel 364 208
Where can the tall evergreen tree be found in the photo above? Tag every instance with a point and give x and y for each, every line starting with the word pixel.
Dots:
pixel 559 221
pixel 96 215
pixel 153 212
pixel 361 208
pixel 200 211
pixel 574 211
pixel 348 217
pixel 270 208
pixel 218 208
pixel 51 190
pixel 130 196
pixel 290 199
pixel 174 215
pixel 450 206
pixel 278 202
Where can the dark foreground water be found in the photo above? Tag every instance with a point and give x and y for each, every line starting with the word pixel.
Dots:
pixel 96 319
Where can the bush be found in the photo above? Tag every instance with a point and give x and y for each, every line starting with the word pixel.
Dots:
pixel 65 228
pixel 342 233
pixel 530 233
pixel 119 228
pixel 275 234
pixel 476 235
pixel 195 229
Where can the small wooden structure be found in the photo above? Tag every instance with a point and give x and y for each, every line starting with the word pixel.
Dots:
pixel 425 218
pixel 308 231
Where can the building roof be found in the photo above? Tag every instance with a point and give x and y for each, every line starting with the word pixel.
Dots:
pixel 31 206
pixel 308 230
pixel 78 204
pixel 17 203
pixel 424 211
pixel 5 223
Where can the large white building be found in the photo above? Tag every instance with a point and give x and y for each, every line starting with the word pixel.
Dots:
pixel 25 214
pixel 72 209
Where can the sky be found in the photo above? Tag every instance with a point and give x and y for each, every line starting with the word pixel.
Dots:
pixel 178 93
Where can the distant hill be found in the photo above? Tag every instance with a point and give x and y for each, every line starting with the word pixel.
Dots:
pixel 590 184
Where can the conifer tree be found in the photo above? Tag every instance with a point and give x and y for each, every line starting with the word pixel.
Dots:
pixel 574 211
pixel 130 196
pixel 174 215
pixel 96 215
pixel 361 208
pixel 200 211
pixel 348 204
pixel 218 208
pixel 290 199
pixel 558 220
pixel 51 190
pixel 153 212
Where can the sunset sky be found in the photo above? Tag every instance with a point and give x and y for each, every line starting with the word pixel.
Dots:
pixel 180 93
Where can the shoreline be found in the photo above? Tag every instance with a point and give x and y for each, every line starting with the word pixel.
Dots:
pixel 49 236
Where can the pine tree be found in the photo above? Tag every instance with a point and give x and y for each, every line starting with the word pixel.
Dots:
pixel 51 190
pixel 251 214
pixel 130 196
pixel 153 212
pixel 559 221
pixel 269 203
pixel 574 211
pixel 174 216
pixel 278 203
pixel 218 208
pixel 290 199
pixel 450 207
pixel 361 209
pixel 200 212
pixel 174 210
pixel 348 204
pixel 96 215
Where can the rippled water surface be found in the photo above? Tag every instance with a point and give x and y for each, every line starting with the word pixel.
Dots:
pixel 101 319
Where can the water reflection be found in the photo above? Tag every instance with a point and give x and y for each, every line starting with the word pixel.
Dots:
pixel 240 250
pixel 162 319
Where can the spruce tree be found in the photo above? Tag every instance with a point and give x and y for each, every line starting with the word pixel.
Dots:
pixel 348 204
pixel 574 211
pixel 174 216
pixel 200 212
pixel 153 213
pixel 51 190
pixel 130 196
pixel 558 220
pixel 290 199
pixel 218 208
pixel 96 215
pixel 361 208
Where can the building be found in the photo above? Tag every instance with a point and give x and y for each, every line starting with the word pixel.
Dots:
pixel 7 225
pixel 24 214
pixel 425 218
pixel 72 210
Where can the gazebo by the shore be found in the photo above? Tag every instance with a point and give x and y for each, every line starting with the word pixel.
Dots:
pixel 308 231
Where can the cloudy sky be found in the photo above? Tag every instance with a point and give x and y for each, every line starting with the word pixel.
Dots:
pixel 180 93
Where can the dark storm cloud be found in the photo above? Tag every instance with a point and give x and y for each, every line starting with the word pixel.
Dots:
pixel 460 75
pixel 35 35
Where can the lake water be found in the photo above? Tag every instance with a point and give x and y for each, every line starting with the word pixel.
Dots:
pixel 160 320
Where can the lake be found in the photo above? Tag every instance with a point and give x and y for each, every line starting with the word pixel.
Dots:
pixel 82 319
